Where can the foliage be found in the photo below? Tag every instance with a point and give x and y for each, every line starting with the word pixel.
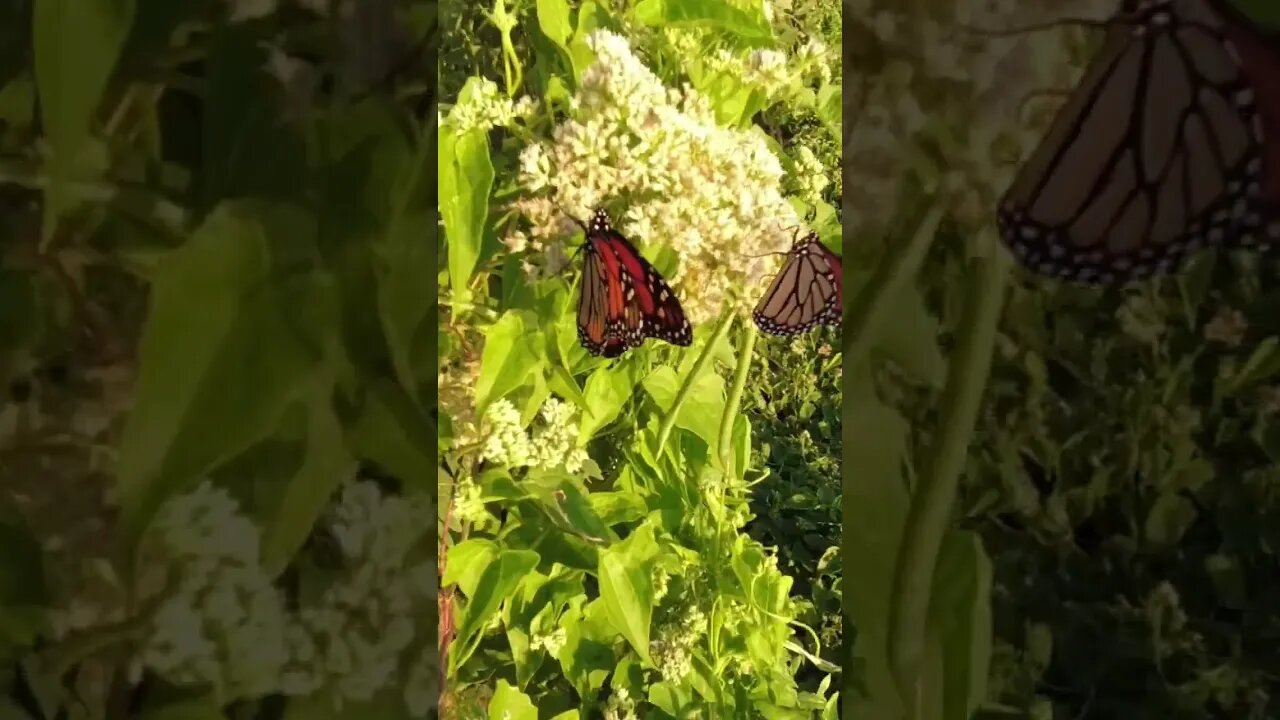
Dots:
pixel 601 560
pixel 211 263
pixel 1061 500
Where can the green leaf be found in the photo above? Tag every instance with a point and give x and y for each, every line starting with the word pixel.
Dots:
pixel 553 18
pixel 466 561
pixel 391 432
pixel 703 406
pixel 909 337
pixel 829 108
pixel 325 466
pixel 221 357
pixel 875 511
pixel 466 179
pixel 587 654
pixel 406 296
pixel 626 586
pixel 960 617
pixel 1170 517
pixel 509 703
pixel 1263 363
pixel 76 45
pixel 607 390
pixel 497 582
pixel 510 356
pixel 751 25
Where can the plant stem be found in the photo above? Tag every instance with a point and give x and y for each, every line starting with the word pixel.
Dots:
pixel 931 508
pixel 669 422
pixel 734 401
pixel 878 295
pixel 165 215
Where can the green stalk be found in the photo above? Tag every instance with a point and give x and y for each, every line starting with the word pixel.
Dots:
pixel 931 507
pixel 669 422
pixel 878 295
pixel 734 401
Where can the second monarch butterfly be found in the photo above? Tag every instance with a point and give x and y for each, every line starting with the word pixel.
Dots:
pixel 807 291
pixel 623 299
pixel 1157 153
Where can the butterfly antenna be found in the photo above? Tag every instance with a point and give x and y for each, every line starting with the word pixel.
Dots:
pixel 569 215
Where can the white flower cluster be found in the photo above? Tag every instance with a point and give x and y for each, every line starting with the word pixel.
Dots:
pixel 507 443
pixel 979 103
pixel 351 642
pixel 768 70
pixel 808 176
pixel 219 622
pixel 551 445
pixel 674 640
pixel 620 705
pixel 482 106
pixel 710 193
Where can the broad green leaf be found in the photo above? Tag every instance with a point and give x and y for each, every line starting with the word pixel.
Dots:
pixel 76 45
pixel 221 357
pixel 497 582
pixel 510 356
pixel 1170 517
pixel 703 406
pixel 406 298
pixel 391 432
pixel 466 561
pixel 587 654
pixel 1263 363
pixel 875 511
pixel 466 179
pixel 607 390
pixel 590 17
pixel 325 466
pixel 553 18
pixel 626 586
pixel 829 108
pixel 509 703
pixel 909 334
pixel 751 25
pixel 960 618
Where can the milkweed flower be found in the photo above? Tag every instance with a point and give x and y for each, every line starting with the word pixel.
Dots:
pixel 710 193
pixel 482 106
pixel 219 621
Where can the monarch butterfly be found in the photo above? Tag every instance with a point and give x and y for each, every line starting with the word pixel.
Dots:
pixel 1158 151
pixel 807 291
pixel 623 299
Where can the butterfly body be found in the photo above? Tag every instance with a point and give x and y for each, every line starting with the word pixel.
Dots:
pixel 1158 152
pixel 808 291
pixel 624 299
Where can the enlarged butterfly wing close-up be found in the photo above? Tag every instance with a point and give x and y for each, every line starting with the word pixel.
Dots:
pixel 807 291
pixel 1157 152
pixel 624 299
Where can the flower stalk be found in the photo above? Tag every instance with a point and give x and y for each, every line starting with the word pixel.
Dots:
pixel 932 503
pixel 669 421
